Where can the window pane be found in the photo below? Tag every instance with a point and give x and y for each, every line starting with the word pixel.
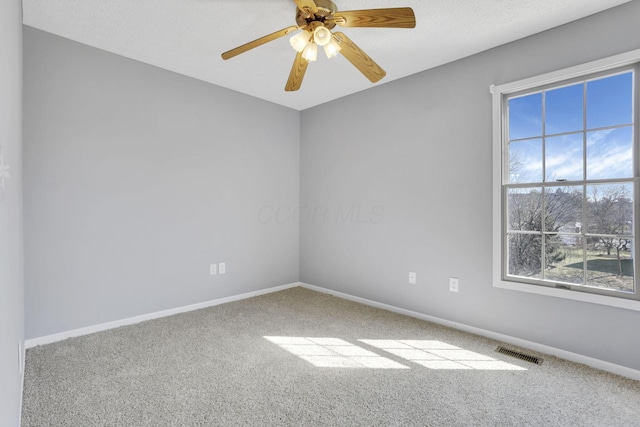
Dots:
pixel 525 161
pixel 610 153
pixel 563 158
pixel 524 208
pixel 525 116
pixel 610 263
pixel 569 192
pixel 525 255
pixel 563 209
pixel 564 109
pixel 610 209
pixel 564 258
pixel 610 101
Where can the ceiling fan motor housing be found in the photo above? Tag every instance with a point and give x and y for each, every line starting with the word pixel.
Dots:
pixel 326 8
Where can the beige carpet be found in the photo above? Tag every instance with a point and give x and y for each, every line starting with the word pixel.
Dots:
pixel 302 358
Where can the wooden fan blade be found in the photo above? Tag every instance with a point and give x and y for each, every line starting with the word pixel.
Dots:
pixel 307 5
pixel 258 42
pixel 399 17
pixel 297 73
pixel 358 58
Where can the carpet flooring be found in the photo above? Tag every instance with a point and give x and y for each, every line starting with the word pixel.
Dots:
pixel 303 358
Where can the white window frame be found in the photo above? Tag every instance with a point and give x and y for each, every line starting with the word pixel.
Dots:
pixel 499 92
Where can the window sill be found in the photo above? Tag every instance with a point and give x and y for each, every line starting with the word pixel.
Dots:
pixel 572 295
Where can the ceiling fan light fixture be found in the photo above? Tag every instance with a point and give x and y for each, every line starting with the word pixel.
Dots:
pixel 310 52
pixel 300 41
pixel 316 19
pixel 332 48
pixel 322 35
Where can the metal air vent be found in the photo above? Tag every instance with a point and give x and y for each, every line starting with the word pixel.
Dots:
pixel 519 355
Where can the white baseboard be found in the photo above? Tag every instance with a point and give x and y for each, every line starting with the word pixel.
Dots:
pixel 574 357
pixel 48 339
pixel 541 348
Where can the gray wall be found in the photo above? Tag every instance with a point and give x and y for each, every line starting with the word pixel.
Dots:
pixel 11 275
pixel 136 179
pixel 411 161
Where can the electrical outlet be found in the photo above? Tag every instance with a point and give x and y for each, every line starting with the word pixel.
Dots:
pixel 222 268
pixel 412 278
pixel 213 269
pixel 453 284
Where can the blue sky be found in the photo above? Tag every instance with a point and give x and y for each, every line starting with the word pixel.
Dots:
pixel 609 150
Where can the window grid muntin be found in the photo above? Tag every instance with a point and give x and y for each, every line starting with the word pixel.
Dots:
pixel 551 135
pixel 544 184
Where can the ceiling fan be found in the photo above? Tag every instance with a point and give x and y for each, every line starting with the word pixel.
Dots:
pixel 316 19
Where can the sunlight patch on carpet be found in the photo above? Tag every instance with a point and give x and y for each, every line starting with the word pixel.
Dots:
pixel 439 355
pixel 338 353
pixel 334 353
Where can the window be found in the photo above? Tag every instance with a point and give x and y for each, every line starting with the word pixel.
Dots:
pixel 566 183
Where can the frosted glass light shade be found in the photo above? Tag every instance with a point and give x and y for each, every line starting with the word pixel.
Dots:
pixel 332 48
pixel 300 40
pixel 310 52
pixel 321 36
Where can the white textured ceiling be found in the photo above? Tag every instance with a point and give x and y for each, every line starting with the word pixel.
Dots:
pixel 188 36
